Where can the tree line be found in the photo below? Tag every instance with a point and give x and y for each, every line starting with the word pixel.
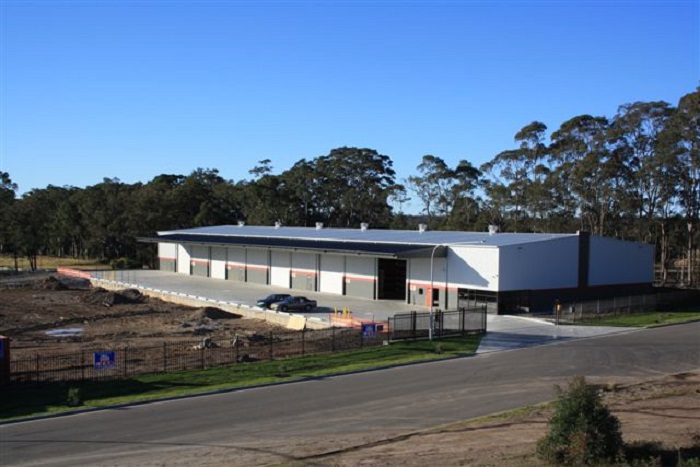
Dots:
pixel 633 176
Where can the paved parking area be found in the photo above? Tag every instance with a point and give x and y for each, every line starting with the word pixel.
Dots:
pixel 503 332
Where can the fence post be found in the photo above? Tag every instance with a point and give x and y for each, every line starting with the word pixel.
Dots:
pixel 165 357
pixel 82 365
pixel 201 356
pixel 333 339
pixel 126 359
pixel 37 368
pixel 303 341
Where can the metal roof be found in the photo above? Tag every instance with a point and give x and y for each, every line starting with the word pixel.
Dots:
pixel 384 249
pixel 349 239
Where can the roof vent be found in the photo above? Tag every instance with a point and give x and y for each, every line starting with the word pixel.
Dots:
pixel 422 227
pixel 278 224
pixel 241 223
pixel 319 225
pixel 493 229
pixel 364 226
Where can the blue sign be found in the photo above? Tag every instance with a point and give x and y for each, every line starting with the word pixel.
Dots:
pixel 369 330
pixel 105 360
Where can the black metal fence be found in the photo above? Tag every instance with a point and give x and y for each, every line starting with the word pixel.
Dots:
pixel 125 362
pixel 417 325
pixel 578 311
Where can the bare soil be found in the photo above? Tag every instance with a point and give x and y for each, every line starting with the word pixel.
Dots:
pixel 660 417
pixel 46 313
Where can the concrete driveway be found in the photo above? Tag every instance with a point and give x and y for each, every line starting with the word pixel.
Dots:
pixel 503 332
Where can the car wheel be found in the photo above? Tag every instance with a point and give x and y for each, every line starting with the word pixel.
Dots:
pixel 283 308
pixel 307 308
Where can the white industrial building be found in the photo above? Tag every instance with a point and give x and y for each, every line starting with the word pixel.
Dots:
pixel 508 271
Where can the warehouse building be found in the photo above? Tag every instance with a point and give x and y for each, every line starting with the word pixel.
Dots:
pixel 507 271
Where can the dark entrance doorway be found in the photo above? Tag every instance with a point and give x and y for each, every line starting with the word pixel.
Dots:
pixel 392 279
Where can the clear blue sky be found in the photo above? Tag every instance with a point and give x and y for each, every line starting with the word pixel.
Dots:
pixel 133 89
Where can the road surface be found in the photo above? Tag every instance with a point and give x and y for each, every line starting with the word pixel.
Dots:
pixel 300 420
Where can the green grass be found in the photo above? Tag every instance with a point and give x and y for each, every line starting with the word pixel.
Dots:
pixel 46 398
pixel 656 318
pixel 51 262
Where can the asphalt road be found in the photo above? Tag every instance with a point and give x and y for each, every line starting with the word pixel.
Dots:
pixel 294 421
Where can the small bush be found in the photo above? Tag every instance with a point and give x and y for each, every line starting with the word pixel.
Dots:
pixel 75 398
pixel 582 431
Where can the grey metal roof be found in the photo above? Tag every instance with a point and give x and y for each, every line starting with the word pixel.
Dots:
pixel 259 234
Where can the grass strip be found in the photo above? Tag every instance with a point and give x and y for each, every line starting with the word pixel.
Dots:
pixel 25 400
pixel 656 318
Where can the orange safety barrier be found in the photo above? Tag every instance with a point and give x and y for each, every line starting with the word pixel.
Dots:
pixel 73 273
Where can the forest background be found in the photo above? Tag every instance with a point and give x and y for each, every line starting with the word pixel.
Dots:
pixel 633 176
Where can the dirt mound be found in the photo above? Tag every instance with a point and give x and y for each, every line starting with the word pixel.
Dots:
pixel 212 313
pixel 100 296
pixel 50 283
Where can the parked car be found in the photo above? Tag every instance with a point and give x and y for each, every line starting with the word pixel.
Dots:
pixel 273 298
pixel 294 304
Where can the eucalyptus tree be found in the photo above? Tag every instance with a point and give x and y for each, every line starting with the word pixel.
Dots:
pixel 586 175
pixel 635 131
pixel 28 226
pixel 682 137
pixel 353 186
pixel 8 191
pixel 516 178
pixel 433 186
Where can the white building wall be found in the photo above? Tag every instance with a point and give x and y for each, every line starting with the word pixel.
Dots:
pixel 218 262
pixel 183 259
pixel 167 251
pixel 615 261
pixel 547 264
pixel 331 274
pixel 280 272
pixel 471 267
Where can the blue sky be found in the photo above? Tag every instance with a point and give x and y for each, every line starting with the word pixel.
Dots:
pixel 134 89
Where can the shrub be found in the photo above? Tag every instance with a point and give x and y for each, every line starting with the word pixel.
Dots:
pixel 582 431
pixel 75 398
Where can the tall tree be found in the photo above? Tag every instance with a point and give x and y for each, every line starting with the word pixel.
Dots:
pixel 683 137
pixel 585 173
pixel 354 185
pixel 517 178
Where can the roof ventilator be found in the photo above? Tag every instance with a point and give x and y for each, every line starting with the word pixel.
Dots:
pixel 364 226
pixel 278 224
pixel 422 227
pixel 241 223
pixel 319 225
pixel 493 229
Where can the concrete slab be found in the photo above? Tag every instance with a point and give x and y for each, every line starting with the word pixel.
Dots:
pixel 503 332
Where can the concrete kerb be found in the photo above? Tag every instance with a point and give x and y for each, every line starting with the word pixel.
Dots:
pixel 278 318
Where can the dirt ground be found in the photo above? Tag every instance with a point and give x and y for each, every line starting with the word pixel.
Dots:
pixel 660 416
pixel 47 313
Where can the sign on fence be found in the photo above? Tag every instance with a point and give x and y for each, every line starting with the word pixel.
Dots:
pixel 369 330
pixel 105 360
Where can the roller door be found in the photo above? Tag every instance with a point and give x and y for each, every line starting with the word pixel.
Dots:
pixel 218 262
pixel 236 264
pixel 281 268
pixel 167 257
pixel 360 276
pixel 183 260
pixel 304 271
pixel 331 274
pixel 200 261
pixel 257 266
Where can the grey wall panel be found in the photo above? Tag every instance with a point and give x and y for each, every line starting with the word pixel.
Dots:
pixel 236 264
pixel 169 265
pixel 304 271
pixel 258 266
pixel 360 276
